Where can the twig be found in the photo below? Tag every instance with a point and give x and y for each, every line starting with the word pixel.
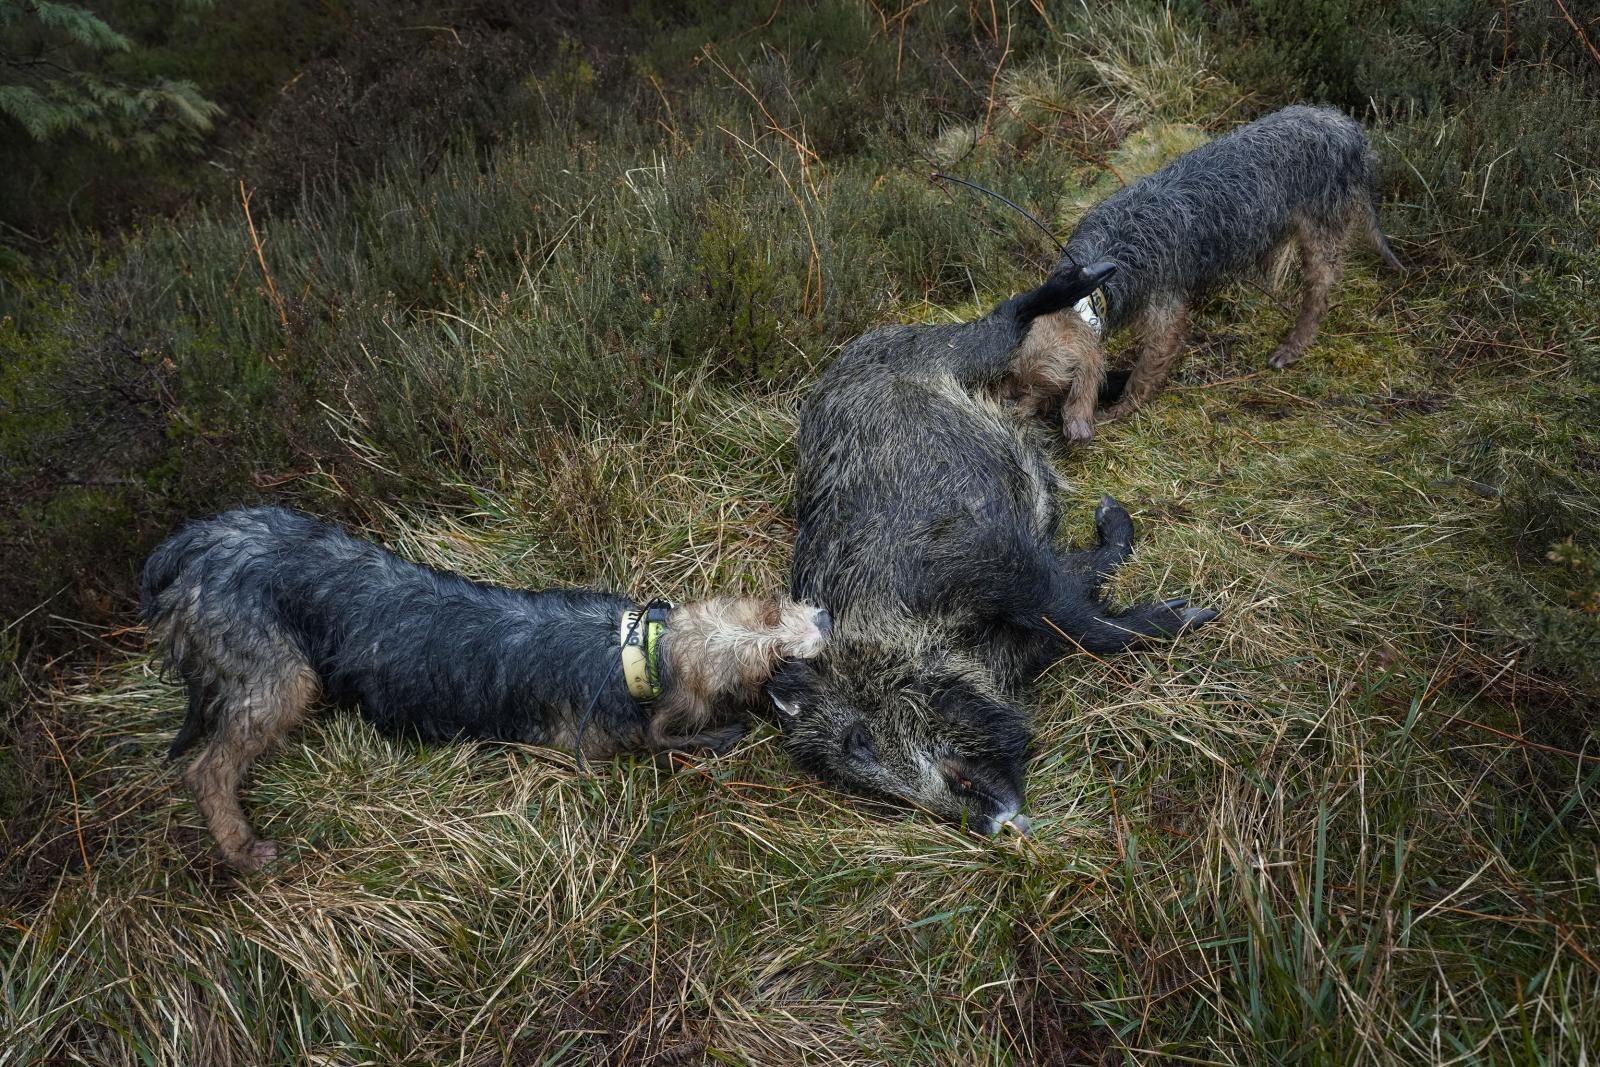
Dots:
pixel 763 25
pixel 994 81
pixel 883 20
pixel 18 620
pixel 807 156
pixel 1202 386
pixel 1243 540
pixel 900 49
pixel 671 125
pixel 1584 37
pixel 1296 397
pixel 805 216
pixel 72 782
pixel 1505 36
pixel 1525 741
pixel 255 239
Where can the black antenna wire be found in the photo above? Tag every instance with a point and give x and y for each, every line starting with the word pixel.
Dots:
pixel 577 744
pixel 938 177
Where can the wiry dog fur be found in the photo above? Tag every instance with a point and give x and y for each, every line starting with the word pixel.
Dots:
pixel 927 526
pixel 264 611
pixel 1304 176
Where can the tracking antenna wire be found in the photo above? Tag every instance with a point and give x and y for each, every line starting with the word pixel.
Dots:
pixel 577 740
pixel 1012 204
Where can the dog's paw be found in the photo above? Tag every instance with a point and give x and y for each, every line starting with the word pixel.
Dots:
pixel 1121 409
pixel 1282 357
pixel 1077 431
pixel 254 856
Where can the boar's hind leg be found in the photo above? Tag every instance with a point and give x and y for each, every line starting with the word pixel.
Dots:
pixel 1075 617
pixel 1099 632
pixel 1085 620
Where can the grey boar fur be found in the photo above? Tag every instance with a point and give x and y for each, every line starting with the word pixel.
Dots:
pixel 927 527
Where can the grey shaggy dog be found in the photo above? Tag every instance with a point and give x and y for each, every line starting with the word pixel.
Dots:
pixel 927 527
pixel 1302 175
pixel 263 612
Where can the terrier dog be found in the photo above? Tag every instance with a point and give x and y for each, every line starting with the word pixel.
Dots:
pixel 264 611
pixel 1303 175
pixel 927 525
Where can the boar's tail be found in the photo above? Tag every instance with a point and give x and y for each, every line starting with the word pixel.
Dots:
pixel 1059 292
pixel 1056 294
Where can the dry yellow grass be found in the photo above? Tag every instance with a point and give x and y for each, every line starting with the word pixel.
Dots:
pixel 1282 825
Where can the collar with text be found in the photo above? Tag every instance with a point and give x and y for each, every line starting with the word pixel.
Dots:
pixel 639 634
pixel 1092 310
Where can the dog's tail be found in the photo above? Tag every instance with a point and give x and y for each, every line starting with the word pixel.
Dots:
pixel 164 569
pixel 1380 243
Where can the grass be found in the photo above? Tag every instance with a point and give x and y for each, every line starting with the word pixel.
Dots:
pixel 1350 822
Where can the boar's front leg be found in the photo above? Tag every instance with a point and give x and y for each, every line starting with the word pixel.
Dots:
pixel 1115 528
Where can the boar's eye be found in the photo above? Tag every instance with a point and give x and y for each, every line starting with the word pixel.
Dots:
pixel 959 782
pixel 858 744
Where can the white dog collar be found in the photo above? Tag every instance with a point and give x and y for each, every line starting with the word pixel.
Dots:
pixel 1092 310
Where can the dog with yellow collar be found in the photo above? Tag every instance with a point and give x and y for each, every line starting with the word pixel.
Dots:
pixel 264 612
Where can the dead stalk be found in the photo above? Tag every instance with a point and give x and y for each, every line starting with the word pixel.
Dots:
pixel 255 241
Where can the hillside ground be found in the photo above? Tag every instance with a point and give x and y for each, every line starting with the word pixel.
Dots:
pixel 1352 821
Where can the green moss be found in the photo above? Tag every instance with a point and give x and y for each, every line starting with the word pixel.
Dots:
pixel 1143 152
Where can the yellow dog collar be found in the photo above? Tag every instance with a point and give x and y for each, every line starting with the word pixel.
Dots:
pixel 639 634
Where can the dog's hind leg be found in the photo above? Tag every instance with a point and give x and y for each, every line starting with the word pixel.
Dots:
pixel 249 718
pixel 1163 331
pixel 1320 255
